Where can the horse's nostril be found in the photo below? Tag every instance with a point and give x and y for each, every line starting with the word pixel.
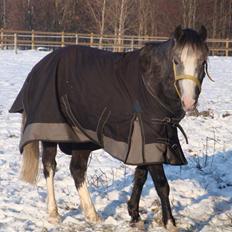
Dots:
pixel 188 103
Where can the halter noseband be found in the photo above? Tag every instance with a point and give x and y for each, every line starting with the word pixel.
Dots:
pixel 184 77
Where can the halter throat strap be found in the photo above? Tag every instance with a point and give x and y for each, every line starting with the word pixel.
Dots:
pixel 184 77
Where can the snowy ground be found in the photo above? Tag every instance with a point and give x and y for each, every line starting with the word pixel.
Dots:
pixel 201 192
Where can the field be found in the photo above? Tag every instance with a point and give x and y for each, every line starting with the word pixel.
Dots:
pixel 201 192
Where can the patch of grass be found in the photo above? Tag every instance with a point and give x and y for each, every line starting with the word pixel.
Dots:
pixel 205 113
pixel 226 114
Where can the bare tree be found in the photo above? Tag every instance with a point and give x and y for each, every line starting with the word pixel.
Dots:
pixel 15 14
pixel 119 17
pixel 119 13
pixel 143 17
pixel 96 9
pixel 189 13
pixel 4 13
pixel 221 17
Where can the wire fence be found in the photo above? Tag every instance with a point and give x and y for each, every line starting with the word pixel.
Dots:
pixel 13 39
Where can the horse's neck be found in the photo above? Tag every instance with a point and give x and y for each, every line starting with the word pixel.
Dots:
pixel 168 95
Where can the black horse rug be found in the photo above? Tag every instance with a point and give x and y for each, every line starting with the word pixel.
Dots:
pixel 79 94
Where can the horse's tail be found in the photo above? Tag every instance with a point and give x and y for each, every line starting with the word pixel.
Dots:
pixel 30 163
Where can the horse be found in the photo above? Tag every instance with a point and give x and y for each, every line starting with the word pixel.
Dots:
pixel 161 77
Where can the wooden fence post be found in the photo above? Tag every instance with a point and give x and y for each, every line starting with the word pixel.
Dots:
pixel 140 41
pixel 119 42
pixel 132 43
pixel 32 39
pixel 77 39
pixel 62 39
pixel 146 37
pixel 100 41
pixel 115 42
pixel 227 47
pixel 91 40
pixel 2 38
pixel 15 42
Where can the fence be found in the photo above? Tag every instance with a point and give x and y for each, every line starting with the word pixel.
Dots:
pixel 50 40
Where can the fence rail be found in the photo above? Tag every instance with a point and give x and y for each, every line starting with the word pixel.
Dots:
pixel 40 40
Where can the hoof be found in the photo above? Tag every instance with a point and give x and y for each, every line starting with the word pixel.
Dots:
pixel 138 223
pixel 135 220
pixel 170 227
pixel 54 219
pixel 94 218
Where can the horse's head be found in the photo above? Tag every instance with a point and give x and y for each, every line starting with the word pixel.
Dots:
pixel 189 60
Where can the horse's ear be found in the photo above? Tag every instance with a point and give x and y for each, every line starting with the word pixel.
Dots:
pixel 203 33
pixel 178 33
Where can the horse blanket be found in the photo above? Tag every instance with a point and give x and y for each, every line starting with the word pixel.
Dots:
pixel 79 94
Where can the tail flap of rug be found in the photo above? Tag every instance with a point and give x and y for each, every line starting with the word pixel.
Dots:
pixel 136 152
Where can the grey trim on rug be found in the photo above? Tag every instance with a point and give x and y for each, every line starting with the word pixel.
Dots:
pixel 127 153
pixel 60 132
pixel 151 151
pixel 135 153
pixel 115 148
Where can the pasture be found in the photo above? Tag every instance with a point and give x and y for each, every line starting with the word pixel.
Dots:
pixel 201 192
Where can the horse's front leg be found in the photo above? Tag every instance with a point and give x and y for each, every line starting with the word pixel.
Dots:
pixel 49 163
pixel 162 187
pixel 78 167
pixel 140 177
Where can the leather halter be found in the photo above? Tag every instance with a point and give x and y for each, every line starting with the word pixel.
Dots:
pixel 184 77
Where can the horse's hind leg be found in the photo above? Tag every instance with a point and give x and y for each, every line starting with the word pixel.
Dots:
pixel 49 163
pixel 140 177
pixel 78 167
pixel 162 187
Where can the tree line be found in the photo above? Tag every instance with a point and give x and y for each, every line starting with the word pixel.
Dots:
pixel 119 17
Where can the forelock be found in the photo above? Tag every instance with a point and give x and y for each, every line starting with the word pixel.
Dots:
pixel 192 40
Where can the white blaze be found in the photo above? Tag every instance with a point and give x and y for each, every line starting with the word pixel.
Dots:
pixel 189 61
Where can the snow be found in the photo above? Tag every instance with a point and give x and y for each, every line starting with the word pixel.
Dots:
pixel 201 192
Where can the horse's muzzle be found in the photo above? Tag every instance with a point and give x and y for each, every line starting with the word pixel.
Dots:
pixel 188 104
